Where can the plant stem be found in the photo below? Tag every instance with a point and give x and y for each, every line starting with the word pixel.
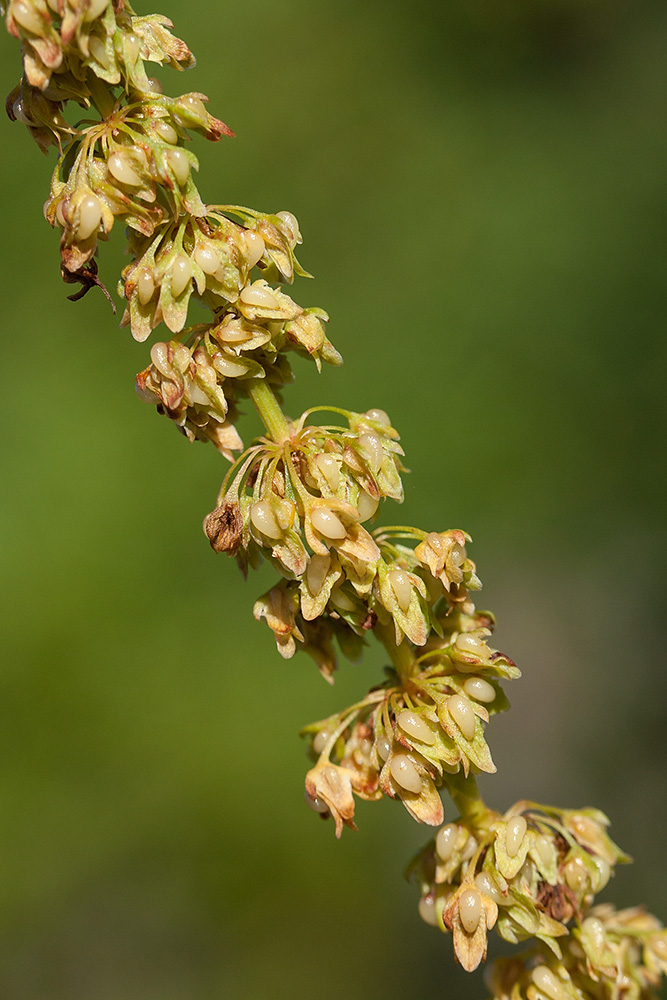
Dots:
pixel 465 795
pixel 401 656
pixel 269 410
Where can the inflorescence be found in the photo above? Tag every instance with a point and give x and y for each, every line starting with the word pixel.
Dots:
pixel 306 496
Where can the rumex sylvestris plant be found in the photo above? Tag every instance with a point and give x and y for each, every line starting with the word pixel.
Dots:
pixel 306 496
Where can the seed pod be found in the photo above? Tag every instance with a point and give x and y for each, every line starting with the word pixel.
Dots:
pixel 415 726
pixel 206 256
pixel 229 367
pixel 404 773
pixel 27 17
pixel 320 740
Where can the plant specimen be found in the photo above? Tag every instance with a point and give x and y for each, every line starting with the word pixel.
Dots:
pixel 307 496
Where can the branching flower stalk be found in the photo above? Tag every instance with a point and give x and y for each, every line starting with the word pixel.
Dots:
pixel 305 496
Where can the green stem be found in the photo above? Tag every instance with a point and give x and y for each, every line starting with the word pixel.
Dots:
pixel 402 656
pixel 465 795
pixel 269 410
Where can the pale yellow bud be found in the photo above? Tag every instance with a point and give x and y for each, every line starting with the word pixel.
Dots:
pixel 548 983
pixel 120 166
pixel 515 831
pixel 401 586
pixel 463 715
pixel 27 17
pixel 379 417
pixel 330 469
pixel 181 273
pixel 370 445
pixel 487 885
pixel 480 690
pixel 90 216
pixel 254 295
pixel 470 910
pixel 180 165
pixel 166 131
pixel 255 247
pixel 472 644
pixel 95 8
pixel 366 505
pixel 445 841
pixel 328 524
pixel 145 286
pixel 413 725
pixel 404 773
pixel 229 367
pixel 264 519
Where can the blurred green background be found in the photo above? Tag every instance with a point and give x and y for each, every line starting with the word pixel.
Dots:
pixel 481 188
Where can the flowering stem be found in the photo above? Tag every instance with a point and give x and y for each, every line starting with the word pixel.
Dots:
pixel 269 410
pixel 465 795
pixel 401 656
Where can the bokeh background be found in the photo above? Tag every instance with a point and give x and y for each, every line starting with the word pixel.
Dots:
pixel 481 187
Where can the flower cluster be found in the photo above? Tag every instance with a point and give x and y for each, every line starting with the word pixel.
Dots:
pixel 611 955
pixel 528 873
pixel 306 497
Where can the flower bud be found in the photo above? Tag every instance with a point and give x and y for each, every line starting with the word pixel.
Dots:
pixel 548 983
pixel 427 909
pixel 379 417
pixel 318 567
pixel 472 644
